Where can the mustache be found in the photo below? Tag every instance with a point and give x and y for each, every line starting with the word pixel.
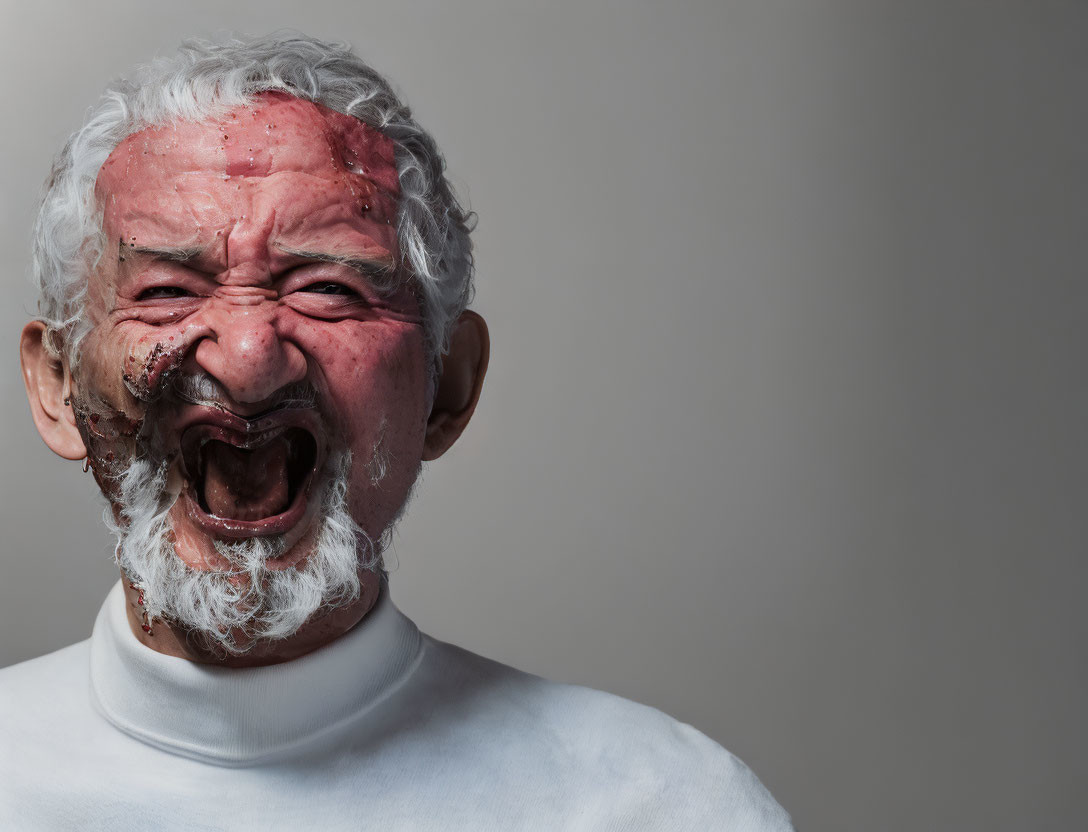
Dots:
pixel 202 389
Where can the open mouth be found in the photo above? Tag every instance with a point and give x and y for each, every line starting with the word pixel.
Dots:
pixel 249 478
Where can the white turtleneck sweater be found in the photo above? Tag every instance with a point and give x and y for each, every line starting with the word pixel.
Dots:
pixel 383 729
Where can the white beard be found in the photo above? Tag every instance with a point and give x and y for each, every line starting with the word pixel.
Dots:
pixel 272 603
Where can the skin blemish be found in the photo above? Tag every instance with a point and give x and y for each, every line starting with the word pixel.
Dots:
pixel 146 376
pixel 280 226
pixel 111 438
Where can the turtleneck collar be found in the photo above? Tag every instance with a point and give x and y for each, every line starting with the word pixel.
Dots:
pixel 237 717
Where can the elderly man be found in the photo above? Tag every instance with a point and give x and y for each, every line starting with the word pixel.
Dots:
pixel 253 331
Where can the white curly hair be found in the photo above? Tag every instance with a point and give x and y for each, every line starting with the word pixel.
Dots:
pixel 204 79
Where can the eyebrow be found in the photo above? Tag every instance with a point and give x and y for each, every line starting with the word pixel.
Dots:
pixel 178 255
pixel 366 266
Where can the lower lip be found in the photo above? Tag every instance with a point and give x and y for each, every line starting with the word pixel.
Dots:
pixel 229 528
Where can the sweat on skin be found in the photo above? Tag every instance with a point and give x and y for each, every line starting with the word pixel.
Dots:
pixel 258 248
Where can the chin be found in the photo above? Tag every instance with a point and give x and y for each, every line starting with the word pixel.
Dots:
pixel 250 589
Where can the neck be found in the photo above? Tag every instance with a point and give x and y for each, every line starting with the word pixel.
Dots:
pixel 173 639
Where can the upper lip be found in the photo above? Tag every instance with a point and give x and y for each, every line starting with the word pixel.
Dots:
pixel 199 424
pixel 250 426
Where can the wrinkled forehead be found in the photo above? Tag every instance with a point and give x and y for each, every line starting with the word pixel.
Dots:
pixel 276 132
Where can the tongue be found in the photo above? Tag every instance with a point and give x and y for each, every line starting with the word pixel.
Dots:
pixel 246 485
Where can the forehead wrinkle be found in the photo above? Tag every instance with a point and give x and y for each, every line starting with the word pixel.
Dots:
pixel 193 146
pixel 174 197
pixel 333 224
pixel 200 186
pixel 187 164
pixel 175 226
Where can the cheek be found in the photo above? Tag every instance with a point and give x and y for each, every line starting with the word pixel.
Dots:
pixel 127 368
pixel 368 367
pixel 120 371
pixel 109 418
pixel 376 377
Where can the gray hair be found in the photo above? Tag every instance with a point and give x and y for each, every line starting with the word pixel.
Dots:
pixel 205 79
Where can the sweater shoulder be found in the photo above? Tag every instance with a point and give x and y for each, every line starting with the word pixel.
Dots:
pixel 65 668
pixel 647 762
pixel 50 690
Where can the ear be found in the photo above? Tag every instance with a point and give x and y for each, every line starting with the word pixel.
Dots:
pixel 459 384
pixel 47 386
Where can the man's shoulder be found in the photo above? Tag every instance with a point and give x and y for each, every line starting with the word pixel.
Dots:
pixel 32 678
pixel 46 690
pixel 666 772
pixel 44 704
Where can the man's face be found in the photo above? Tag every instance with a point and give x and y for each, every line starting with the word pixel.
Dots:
pixel 251 256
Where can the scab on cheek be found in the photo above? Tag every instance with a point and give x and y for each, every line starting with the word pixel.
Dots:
pixel 114 432
pixel 147 371
pixel 111 437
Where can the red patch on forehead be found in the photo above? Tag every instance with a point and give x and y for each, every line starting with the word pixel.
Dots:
pixel 363 150
pixel 259 139
pixel 354 147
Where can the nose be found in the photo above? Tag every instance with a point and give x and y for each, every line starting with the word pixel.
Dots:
pixel 246 354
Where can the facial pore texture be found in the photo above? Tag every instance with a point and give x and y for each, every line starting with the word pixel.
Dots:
pixel 201 81
pixel 251 335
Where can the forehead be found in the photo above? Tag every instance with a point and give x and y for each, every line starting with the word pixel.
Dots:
pixel 275 133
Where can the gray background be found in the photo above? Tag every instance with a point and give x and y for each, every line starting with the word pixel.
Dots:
pixel 784 430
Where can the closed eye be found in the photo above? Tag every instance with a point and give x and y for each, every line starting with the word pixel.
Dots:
pixel 329 287
pixel 164 292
